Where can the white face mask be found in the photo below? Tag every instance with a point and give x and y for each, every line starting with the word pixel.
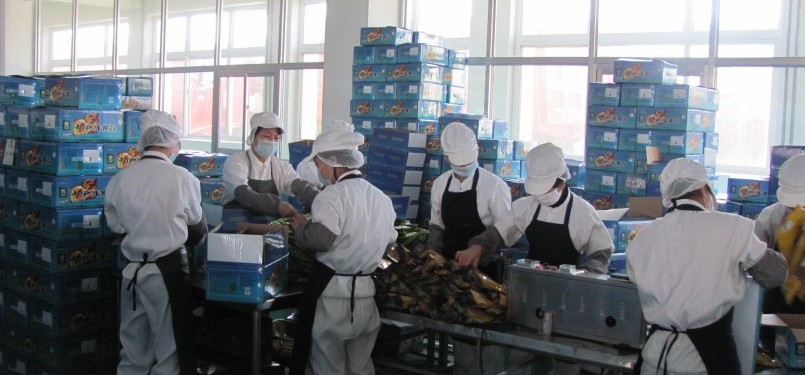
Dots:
pixel 323 181
pixel 465 171
pixel 266 148
pixel 550 198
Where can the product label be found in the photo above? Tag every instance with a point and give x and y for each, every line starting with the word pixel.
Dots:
pixel 50 121
pixel 610 92
pixel 680 93
pixel 645 93
pixel 608 180
pixel 92 221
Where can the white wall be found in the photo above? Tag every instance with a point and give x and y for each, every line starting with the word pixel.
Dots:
pixel 18 37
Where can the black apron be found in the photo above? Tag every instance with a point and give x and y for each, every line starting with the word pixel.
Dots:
pixel 462 222
pixel 551 243
pixel 320 276
pixel 258 186
pixel 713 342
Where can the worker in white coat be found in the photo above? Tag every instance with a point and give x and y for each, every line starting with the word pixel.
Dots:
pixel 257 178
pixel 466 202
pixel 690 269
pixel 351 227
pixel 157 207
pixel 307 168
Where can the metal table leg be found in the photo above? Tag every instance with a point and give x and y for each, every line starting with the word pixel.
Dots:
pixel 443 350
pixel 257 327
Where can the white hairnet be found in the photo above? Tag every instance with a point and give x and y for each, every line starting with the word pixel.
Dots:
pixel 265 120
pixel 158 128
pixel 544 164
pixel 337 125
pixel 791 192
pixel 681 176
pixel 339 148
pixel 459 144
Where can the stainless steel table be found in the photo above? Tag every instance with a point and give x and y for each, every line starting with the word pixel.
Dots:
pixel 560 347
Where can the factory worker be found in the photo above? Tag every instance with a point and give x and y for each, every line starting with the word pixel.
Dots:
pixel 559 225
pixel 351 227
pixel 466 202
pixel 157 207
pixel 307 168
pixel 257 178
pixel 690 269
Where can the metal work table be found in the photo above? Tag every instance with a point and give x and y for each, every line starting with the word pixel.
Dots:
pixel 556 346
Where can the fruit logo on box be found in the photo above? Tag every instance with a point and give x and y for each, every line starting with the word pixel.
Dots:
pixel 657 118
pixel 126 159
pixel 87 190
pixel 363 108
pixel 365 72
pixel 83 319
pixel 433 145
pixel 634 71
pixel 429 128
pixel 82 256
pixel 396 109
pixel 448 109
pixel 693 144
pixel 57 92
pixel 603 203
pixel 605 160
pixel 506 169
pixel 749 191
pixel 515 191
pixel 400 71
pixel 87 125
pixel 207 165
pixel 217 193
pixel 608 115
pixel 32 220
pixel 33 157
pixel 30 284
pixel 374 35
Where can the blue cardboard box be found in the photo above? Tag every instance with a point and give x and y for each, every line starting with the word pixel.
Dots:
pixel 686 96
pixel 601 181
pixel 366 108
pixel 420 126
pixel 21 91
pixel 61 224
pixel 62 288
pixel 369 73
pixel 138 103
pixel 8 219
pixel 653 189
pixel 633 185
pixel 414 72
pixel 417 109
pixel 384 91
pixel 501 168
pixel 617 161
pixel 617 263
pixel 3 120
pixel 517 187
pixel 434 145
pixel 605 201
pixel 449 109
pixel 400 204
pixel 436 164
pixel 748 190
pixel 779 154
pixel 68 191
pixel 711 141
pixel 603 138
pixel 752 210
pixel 131 125
pixel 674 142
pixel 363 125
pixel 458 59
pixel 640 162
pixel 363 55
pixel 363 91
pixel 84 92
pixel 480 125
pixel 385 55
pixel 77 125
pixel 388 123
pixel 3 178
pixel 19 122
pixel 71 319
pixel 578 172
pixel 729 207
pixel 17 247
pixel 385 36
pixel 789 343
pixel 500 130
pixel 501 149
pixel 420 37
pixel 626 230
pixel 655 170
pixel 398 159
pixel 119 156
pixel 37 122
pixel 396 138
pixel 521 149
pixel 202 164
pixel 70 256
pixel 299 150
pixel 231 216
pixel 422 53
pixel 645 71
pixel 138 86
pixel 611 116
pixel 679 119
pixel 454 77
pixel 637 95
pixel 411 191
pixel 456 95
pixel 384 177
pixel 18 185
pixel 61 159
pixel 420 91
pixel 634 140
pixel 16 311
pixel 603 93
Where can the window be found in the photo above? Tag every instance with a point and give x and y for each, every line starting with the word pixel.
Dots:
pixel 138 33
pixel 462 23
pixel 55 48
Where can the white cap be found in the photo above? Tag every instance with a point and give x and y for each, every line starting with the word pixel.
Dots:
pixel 544 164
pixel 681 176
pixel 337 125
pixel 339 148
pixel 158 128
pixel 265 120
pixel 791 192
pixel 459 144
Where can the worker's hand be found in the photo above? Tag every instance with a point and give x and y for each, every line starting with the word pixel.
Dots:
pixel 800 273
pixel 286 210
pixel 469 257
pixel 299 221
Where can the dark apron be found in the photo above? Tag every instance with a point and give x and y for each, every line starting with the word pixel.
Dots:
pixel 713 342
pixel 261 186
pixel 551 243
pixel 320 276
pixel 462 222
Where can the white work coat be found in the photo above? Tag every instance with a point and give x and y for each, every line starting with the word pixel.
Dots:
pixel 236 173
pixel 493 198
pixel 768 221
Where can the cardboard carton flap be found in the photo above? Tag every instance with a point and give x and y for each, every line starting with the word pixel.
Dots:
pixel 639 208
pixel 795 322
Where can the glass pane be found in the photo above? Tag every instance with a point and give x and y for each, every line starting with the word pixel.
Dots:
pixel 93 41
pixel 251 34
pixel 315 17
pixel 188 96
pixel 202 32
pixel 176 37
pixel 554 51
pixel 476 98
pixel 55 31
pixel 754 29
pixel 191 27
pixel 231 121
pixel 301 104
pixel 138 34
pixel 448 18
pixel 745 50
pixel 737 15
pixel 653 28
pixel 558 27
pixel 22 44
pixel 543 17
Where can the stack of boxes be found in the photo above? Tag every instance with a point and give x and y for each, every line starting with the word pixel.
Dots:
pixel 56 277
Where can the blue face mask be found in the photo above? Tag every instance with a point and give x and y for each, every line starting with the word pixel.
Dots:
pixel 466 171
pixel 173 157
pixel 323 181
pixel 266 148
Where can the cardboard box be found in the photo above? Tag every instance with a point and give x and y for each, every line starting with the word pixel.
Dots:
pixel 84 92
pixel 500 130
pixel 385 36
pixel 400 204
pixel 752 210
pixel 634 140
pixel 61 224
pixel 21 91
pixel 363 55
pixel 501 168
pixel 212 190
pixel 457 59
pixel 76 125
pixel 369 73
pixel 434 145
pixel 420 37
pixel 454 77
pixel 645 71
pixel 19 122
pixel 61 159
pixel 388 123
pixel 8 219
pixel 497 149
pixel 72 318
pixel 603 138
pixel 422 53
pixel 138 86
pixel 17 247
pixel 601 181
pixel 69 352
pixel 299 150
pixel 202 164
pixel 517 187
pixel 673 142
pixel 789 345
pixel 3 120
pixel 384 91
pixel 229 216
pixel 626 223
pixel 605 201
pixel 748 190
pixel 577 169
pixel 400 139
pixel 70 256
pixel 617 264
pixel 436 164
pixel 427 182
pixel 521 149
pixel 61 288
pixel 119 156
pixel 416 109
pixel 617 161
pixel 420 91
pixel 633 185
pixel 396 159
pixel 679 119
pixel 412 192
pixel 68 191
pixel 385 55
pixel 455 95
pixel 420 126
pixel 137 103
pixel 366 108
pixel 3 174
pixel 480 125
pixel 18 185
pixel 711 141
pixel 414 72
pixel 391 178
pixel 131 125
pixel 729 207
pixel 449 109
pixel 686 96
pixel 603 93
pixel 779 155
pixel 363 91
pixel 637 95
pixel 16 310
pixel 611 116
